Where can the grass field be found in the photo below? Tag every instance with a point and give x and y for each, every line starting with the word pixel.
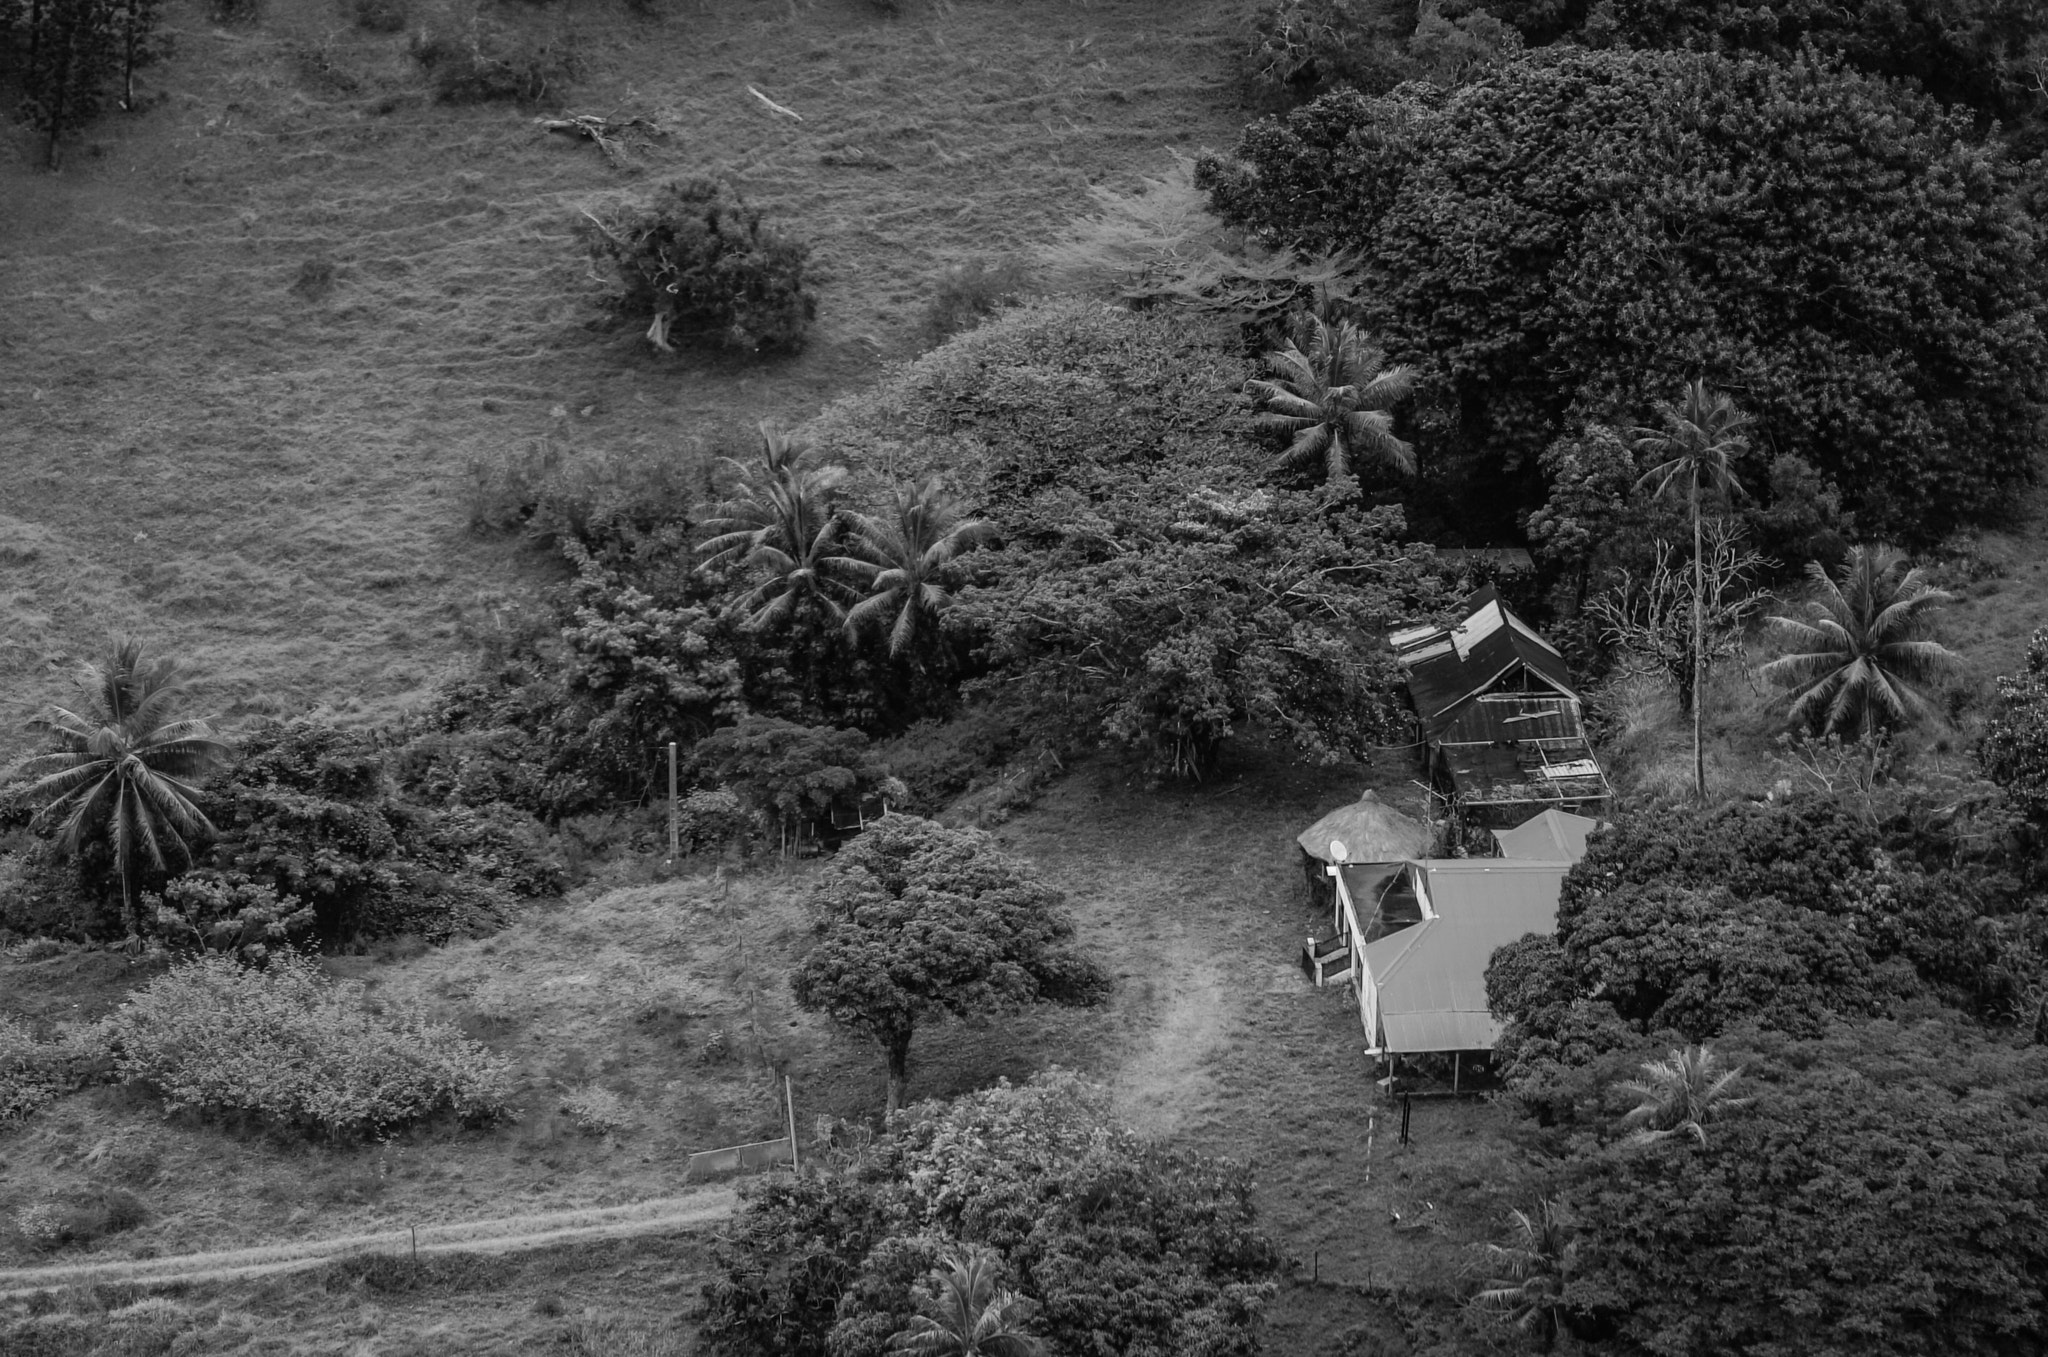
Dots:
pixel 1212 1039
pixel 251 339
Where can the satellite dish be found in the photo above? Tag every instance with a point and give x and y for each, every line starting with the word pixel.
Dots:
pixel 1338 852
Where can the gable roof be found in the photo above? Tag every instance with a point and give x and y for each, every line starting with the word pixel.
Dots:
pixel 1431 978
pixel 1447 668
pixel 1555 835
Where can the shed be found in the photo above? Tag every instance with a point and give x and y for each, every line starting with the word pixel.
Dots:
pixel 1370 830
pixel 1503 729
pixel 1423 988
pixel 1554 836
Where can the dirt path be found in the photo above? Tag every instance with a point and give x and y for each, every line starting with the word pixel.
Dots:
pixel 1163 1079
pixel 506 1234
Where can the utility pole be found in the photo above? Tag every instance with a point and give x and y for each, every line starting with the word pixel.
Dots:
pixel 674 826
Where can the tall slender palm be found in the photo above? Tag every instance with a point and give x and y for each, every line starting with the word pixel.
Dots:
pixel 1330 394
pixel 1699 440
pixel 1681 1095
pixel 1862 656
pixel 911 552
pixel 121 768
pixel 784 524
pixel 974 1317
pixel 1536 1267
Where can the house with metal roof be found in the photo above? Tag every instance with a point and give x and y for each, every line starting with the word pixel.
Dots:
pixel 1421 935
pixel 1554 836
pixel 1503 728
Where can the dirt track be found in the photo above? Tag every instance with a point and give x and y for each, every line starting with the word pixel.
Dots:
pixel 504 1235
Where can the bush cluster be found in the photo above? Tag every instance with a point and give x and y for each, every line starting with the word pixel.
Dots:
pixel 80 1217
pixel 701 265
pixel 284 1047
pixel 33 1073
pixel 469 59
pixel 72 57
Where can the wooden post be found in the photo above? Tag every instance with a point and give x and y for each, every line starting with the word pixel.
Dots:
pixel 789 1102
pixel 1456 1056
pixel 674 824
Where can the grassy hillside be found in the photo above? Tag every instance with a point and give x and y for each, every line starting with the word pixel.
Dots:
pixel 251 338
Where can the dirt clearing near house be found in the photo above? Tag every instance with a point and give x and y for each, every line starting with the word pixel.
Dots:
pixel 253 338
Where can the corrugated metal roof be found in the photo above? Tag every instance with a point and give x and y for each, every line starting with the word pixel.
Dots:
pixel 1486 648
pixel 1484 773
pixel 1493 718
pixel 1555 835
pixel 1431 978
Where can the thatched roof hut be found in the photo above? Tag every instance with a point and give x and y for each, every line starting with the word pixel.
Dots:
pixel 1370 830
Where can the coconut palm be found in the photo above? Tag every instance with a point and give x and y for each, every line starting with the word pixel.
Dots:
pixel 1535 1268
pixel 1330 394
pixel 121 768
pixel 911 553
pixel 1680 1096
pixel 973 1317
pixel 1699 440
pixel 784 525
pixel 1861 657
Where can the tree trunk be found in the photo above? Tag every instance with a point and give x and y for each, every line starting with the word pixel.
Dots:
pixel 1699 650
pixel 897 1048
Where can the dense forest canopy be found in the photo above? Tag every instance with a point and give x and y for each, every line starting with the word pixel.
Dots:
pixel 1576 233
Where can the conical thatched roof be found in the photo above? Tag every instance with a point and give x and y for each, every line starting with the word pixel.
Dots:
pixel 1372 831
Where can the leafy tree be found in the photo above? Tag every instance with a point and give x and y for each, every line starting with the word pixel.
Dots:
pixel 1536 1269
pixel 916 922
pixel 2014 746
pixel 1863 654
pixel 1150 591
pixel 1884 1195
pixel 1329 396
pixel 699 262
pixel 912 553
pixel 972 1316
pixel 1573 228
pixel 121 769
pixel 1680 1095
pixel 791 775
pixel 226 912
pixel 1698 443
pixel 1122 1246
pixel 1593 514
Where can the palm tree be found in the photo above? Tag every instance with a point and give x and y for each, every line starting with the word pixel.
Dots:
pixel 1863 657
pixel 121 768
pixel 1536 1268
pixel 1680 1096
pixel 786 526
pixel 911 554
pixel 1329 394
pixel 973 1316
pixel 1698 441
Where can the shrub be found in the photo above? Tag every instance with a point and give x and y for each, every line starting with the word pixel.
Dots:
pixel 711 818
pixel 225 912
pixel 80 1217
pixel 469 60
pixel 1521 237
pixel 969 294
pixel 700 264
pixel 1291 51
pixel 790 775
pixel 286 1048
pixel 603 501
pixel 35 1073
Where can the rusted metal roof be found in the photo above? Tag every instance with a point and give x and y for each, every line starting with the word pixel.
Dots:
pixel 1493 718
pixel 1490 649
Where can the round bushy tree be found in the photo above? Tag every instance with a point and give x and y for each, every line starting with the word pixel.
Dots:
pixel 1575 233
pixel 700 264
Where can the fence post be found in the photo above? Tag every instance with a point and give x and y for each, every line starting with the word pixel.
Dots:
pixel 789 1102
pixel 673 825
